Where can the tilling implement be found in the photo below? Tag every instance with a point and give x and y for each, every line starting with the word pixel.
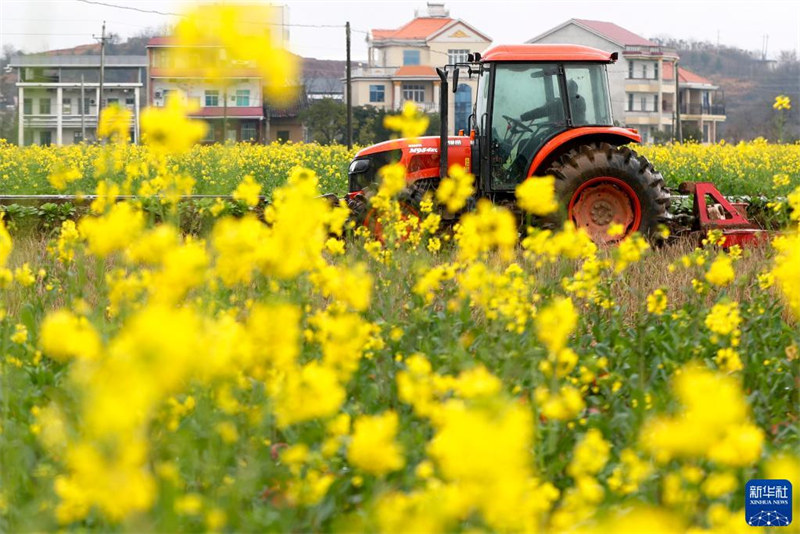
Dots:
pixel 543 110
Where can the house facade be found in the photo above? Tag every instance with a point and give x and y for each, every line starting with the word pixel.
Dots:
pixel 642 82
pixel 702 105
pixel 402 61
pixel 58 96
pixel 232 105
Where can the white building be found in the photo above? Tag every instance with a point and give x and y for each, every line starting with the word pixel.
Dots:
pixel 402 64
pixel 58 96
pixel 642 81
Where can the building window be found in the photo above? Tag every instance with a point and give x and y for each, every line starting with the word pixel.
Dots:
pixel 457 56
pixel 377 93
pixel 45 138
pixel 644 70
pixel 283 136
pixel 66 106
pixel 643 103
pixel 655 68
pixel 212 133
pixel 27 106
pixel 414 92
pixel 165 96
pixel 212 98
pixel 249 131
pixel 44 106
pixel 410 57
pixel 630 69
pixel 112 101
pixel 243 97
pixel 77 137
pixel 86 104
pixel 655 102
pixel 131 101
pixel 630 101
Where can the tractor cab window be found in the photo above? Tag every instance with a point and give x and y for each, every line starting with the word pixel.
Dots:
pixel 527 110
pixel 587 91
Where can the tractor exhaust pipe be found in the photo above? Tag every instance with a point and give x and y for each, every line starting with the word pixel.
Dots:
pixel 443 107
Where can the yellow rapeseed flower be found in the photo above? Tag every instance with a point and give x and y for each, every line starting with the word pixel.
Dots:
pixel 657 302
pixel 537 195
pixel 721 272
pixel 247 191
pixel 410 123
pixel 456 188
pixel 555 323
pixel 64 335
pixel 373 448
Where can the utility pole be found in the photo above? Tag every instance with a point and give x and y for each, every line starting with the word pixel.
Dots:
pixel 83 112
pixel 678 128
pixel 103 39
pixel 349 91
pixel 225 111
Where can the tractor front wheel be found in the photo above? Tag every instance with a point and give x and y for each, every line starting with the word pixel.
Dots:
pixel 602 185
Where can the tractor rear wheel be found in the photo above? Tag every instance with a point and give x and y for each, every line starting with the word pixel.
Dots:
pixel 601 185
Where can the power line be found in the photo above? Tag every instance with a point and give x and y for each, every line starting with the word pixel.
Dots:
pixel 47 34
pixel 129 8
pixel 172 14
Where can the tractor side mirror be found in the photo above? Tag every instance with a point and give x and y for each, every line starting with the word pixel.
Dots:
pixel 455 80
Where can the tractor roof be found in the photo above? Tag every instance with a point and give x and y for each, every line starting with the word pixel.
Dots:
pixel 547 52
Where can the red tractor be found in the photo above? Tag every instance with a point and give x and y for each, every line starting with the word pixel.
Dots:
pixel 540 110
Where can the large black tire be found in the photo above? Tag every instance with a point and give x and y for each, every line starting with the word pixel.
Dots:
pixel 410 199
pixel 580 171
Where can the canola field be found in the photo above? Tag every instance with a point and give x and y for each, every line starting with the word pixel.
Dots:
pixel 741 169
pixel 303 375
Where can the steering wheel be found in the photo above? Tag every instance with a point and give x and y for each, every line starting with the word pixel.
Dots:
pixel 518 124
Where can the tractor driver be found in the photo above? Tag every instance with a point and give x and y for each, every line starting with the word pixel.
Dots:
pixel 554 110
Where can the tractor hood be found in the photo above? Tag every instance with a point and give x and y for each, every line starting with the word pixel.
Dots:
pixel 420 157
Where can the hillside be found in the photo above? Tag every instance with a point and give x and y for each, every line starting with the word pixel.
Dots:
pixel 750 85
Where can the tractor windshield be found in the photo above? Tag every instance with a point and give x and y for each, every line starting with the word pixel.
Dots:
pixel 527 109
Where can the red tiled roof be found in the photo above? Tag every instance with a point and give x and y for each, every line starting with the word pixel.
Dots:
pixel 76 50
pixel 171 40
pixel 161 41
pixel 419 28
pixel 615 33
pixel 245 112
pixel 685 76
pixel 415 70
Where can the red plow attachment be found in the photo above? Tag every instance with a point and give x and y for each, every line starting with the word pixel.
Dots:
pixel 712 211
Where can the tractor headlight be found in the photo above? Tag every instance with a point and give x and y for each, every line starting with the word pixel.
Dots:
pixel 363 171
pixel 358 166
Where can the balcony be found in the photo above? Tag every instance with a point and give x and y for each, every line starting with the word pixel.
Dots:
pixel 702 109
pixel 373 72
pixel 638 50
pixel 428 107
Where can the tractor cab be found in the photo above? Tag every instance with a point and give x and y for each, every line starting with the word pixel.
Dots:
pixel 525 99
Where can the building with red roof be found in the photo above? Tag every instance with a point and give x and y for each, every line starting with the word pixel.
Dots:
pixel 232 105
pixel 402 63
pixel 644 94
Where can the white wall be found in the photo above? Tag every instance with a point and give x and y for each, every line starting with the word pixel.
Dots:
pixel 194 90
pixel 617 72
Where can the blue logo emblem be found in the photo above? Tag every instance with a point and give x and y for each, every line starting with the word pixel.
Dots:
pixel 768 503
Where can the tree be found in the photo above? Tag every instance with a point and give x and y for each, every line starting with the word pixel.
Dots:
pixel 326 120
